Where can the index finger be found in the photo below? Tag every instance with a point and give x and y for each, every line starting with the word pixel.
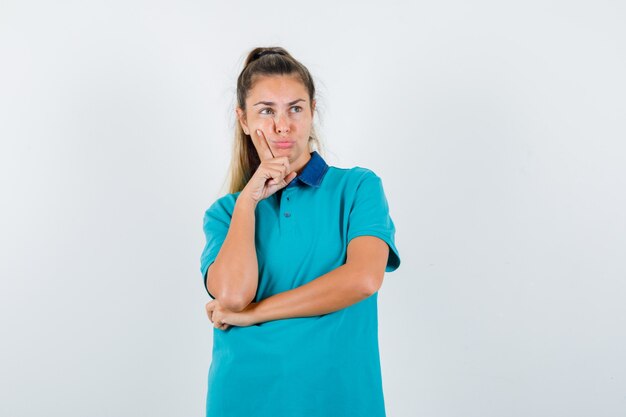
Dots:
pixel 265 151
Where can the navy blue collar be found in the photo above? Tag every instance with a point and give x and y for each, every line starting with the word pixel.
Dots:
pixel 313 171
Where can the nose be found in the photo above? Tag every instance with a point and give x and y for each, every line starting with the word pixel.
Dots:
pixel 282 124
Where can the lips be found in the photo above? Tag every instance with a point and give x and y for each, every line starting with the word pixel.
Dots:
pixel 284 144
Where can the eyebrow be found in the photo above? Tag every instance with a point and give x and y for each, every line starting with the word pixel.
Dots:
pixel 271 103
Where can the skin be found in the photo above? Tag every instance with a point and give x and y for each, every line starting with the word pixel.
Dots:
pixel 363 272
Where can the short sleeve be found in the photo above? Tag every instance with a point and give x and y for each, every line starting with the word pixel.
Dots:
pixel 369 215
pixel 215 225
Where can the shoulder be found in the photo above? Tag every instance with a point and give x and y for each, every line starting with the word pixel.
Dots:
pixel 353 176
pixel 354 181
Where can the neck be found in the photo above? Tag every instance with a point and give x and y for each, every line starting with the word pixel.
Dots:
pixel 300 166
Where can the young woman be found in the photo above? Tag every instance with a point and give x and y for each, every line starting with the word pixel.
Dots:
pixel 294 257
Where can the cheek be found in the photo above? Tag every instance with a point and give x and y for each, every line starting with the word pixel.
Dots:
pixel 266 124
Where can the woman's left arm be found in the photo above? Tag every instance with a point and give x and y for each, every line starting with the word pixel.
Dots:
pixel 359 278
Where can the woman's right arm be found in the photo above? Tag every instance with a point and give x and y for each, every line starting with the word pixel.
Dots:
pixel 233 277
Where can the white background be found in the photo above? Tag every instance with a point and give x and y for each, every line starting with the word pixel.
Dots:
pixel 497 128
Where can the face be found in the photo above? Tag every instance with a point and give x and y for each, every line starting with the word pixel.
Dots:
pixel 279 106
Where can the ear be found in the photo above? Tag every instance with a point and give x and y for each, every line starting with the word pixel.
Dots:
pixel 313 103
pixel 241 117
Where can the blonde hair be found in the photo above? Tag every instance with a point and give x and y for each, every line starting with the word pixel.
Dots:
pixel 263 61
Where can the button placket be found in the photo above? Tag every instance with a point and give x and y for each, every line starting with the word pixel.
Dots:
pixel 287 205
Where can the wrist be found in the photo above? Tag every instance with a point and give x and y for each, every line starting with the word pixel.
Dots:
pixel 245 200
pixel 254 312
pixel 258 315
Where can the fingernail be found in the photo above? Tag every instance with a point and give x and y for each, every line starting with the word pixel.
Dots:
pixel 258 132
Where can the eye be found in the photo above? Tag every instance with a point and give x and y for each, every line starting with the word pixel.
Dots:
pixel 262 111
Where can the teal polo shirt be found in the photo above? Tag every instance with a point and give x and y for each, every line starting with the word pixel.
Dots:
pixel 326 365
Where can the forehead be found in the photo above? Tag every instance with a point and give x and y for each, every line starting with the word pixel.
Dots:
pixel 280 87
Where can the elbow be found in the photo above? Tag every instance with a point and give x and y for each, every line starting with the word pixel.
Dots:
pixel 233 299
pixel 373 283
pixel 366 281
pixel 234 304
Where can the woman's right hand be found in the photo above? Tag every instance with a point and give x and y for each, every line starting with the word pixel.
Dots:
pixel 271 175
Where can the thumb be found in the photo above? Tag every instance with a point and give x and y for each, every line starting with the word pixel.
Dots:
pixel 290 177
pixel 286 180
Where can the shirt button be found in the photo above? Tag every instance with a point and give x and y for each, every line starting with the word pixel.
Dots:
pixel 287 214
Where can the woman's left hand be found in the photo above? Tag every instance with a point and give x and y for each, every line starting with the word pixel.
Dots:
pixel 222 318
